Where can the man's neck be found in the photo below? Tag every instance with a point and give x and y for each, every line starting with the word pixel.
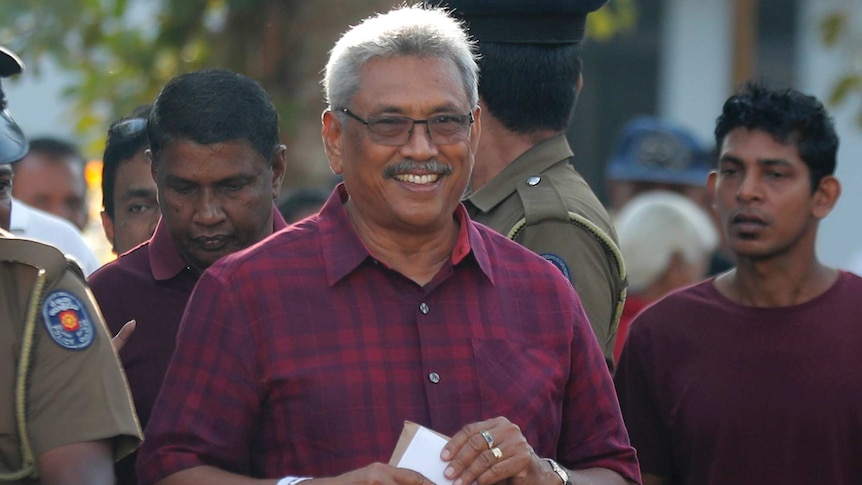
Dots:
pixel 499 146
pixel 417 255
pixel 776 282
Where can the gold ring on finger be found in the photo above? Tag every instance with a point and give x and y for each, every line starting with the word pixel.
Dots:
pixel 498 454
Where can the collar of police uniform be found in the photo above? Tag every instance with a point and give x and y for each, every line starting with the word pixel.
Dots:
pixel 532 162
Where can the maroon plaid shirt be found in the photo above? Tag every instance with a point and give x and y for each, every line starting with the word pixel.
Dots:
pixel 303 355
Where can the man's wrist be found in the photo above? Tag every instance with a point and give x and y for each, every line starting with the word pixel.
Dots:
pixel 559 471
pixel 292 480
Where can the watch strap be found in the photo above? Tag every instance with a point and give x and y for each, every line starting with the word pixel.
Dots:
pixel 560 471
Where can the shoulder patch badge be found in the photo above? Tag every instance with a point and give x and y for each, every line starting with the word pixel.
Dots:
pixel 559 263
pixel 67 320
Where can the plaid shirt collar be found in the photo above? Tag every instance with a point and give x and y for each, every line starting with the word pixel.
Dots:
pixel 344 251
pixel 165 259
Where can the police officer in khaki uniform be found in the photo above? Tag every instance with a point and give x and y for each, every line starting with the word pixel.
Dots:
pixel 65 409
pixel 523 184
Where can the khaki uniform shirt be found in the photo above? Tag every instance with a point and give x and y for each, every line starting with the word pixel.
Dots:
pixel 75 390
pixel 541 202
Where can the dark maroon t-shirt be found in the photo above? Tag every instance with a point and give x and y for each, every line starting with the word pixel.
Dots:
pixel 150 284
pixel 713 392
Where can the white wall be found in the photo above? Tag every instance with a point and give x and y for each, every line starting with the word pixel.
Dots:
pixel 695 70
pixel 817 68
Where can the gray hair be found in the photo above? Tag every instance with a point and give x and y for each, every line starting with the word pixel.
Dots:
pixel 406 31
pixel 654 226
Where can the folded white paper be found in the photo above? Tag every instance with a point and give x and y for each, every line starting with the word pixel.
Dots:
pixel 423 455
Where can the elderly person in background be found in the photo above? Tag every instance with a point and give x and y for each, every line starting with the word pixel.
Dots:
pixel 666 240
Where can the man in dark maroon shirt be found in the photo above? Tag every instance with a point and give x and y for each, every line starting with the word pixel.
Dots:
pixel 218 166
pixel 303 355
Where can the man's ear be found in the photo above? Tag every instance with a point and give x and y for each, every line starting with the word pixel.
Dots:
pixel 149 154
pixel 332 132
pixel 476 129
pixel 108 227
pixel 825 196
pixel 279 167
pixel 711 180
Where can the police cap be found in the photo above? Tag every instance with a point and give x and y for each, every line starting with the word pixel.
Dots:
pixel 10 63
pixel 13 144
pixel 524 21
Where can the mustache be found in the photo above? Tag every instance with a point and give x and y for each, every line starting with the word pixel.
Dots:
pixel 407 166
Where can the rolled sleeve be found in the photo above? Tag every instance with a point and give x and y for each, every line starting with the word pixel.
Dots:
pixel 593 433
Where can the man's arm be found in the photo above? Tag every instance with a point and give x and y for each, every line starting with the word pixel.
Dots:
pixel 653 479
pixel 376 473
pixel 85 463
pixel 597 476
pixel 211 476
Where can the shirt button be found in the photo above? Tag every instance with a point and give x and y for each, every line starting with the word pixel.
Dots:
pixel 434 377
pixel 534 180
pixel 423 307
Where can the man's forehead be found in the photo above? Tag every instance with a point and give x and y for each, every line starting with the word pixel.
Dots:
pixel 382 83
pixel 50 158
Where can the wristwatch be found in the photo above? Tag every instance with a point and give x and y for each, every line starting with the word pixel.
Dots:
pixel 560 471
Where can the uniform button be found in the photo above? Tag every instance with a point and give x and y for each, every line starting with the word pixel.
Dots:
pixel 434 377
pixel 423 307
pixel 534 180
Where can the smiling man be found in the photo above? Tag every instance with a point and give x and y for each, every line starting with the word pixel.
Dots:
pixel 218 167
pixel 753 376
pixel 304 355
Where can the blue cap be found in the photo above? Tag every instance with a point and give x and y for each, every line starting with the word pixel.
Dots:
pixel 653 150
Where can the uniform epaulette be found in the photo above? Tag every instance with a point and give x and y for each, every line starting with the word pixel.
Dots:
pixel 35 254
pixel 75 268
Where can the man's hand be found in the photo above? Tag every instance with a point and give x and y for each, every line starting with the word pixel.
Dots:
pixel 123 336
pixel 381 474
pixel 494 451
pixel 374 474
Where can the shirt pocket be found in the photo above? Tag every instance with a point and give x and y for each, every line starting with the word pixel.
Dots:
pixel 523 383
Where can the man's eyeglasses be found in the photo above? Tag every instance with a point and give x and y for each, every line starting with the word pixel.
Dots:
pixel 128 128
pixel 394 130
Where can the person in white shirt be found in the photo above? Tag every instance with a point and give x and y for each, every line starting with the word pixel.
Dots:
pixel 32 223
pixel 17 217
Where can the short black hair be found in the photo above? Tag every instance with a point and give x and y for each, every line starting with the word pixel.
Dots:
pixel 213 106
pixel 57 148
pixel 530 87
pixel 126 137
pixel 789 116
pixel 300 201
